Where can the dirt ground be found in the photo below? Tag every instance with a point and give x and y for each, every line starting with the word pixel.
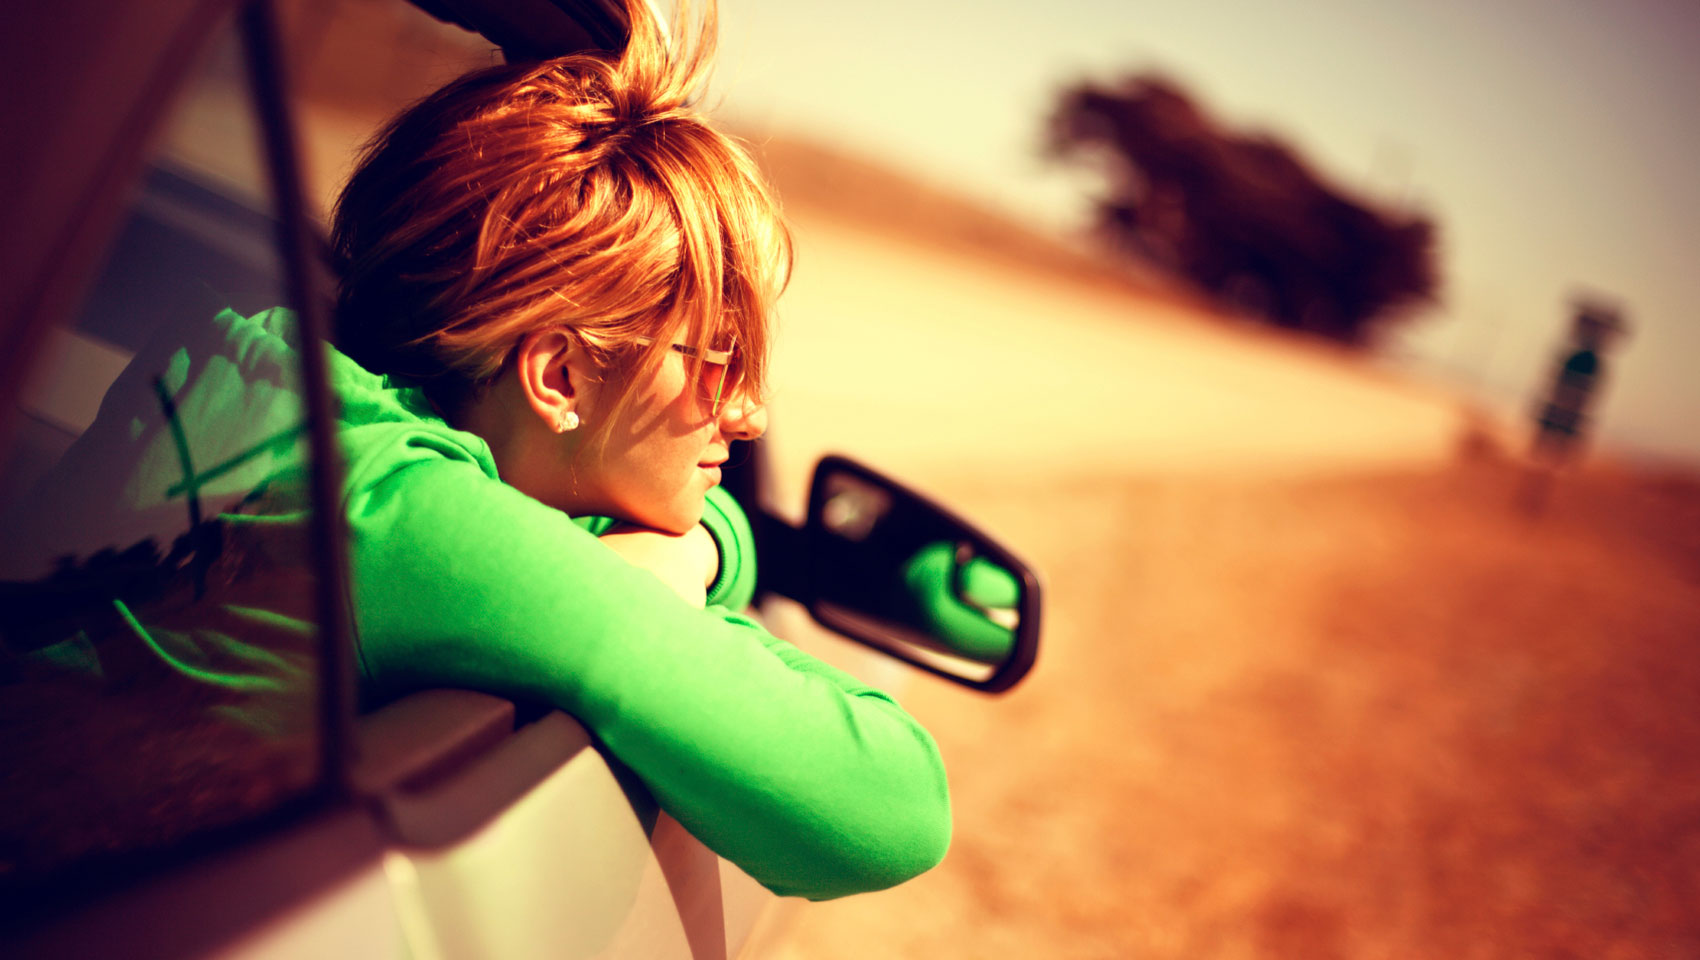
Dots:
pixel 1369 717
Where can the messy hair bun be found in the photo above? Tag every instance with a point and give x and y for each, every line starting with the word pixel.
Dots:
pixel 585 193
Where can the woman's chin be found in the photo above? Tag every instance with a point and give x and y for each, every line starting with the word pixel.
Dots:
pixel 680 520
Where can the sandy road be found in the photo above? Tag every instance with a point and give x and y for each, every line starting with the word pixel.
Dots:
pixel 1357 717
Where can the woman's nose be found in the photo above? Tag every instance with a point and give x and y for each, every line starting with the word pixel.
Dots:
pixel 744 419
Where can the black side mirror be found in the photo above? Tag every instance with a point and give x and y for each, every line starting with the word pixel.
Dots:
pixel 890 568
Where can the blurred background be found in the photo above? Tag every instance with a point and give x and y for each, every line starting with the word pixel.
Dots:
pixel 1548 142
pixel 1240 321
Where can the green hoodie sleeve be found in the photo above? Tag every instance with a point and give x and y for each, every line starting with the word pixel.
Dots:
pixel 810 781
pixel 735 585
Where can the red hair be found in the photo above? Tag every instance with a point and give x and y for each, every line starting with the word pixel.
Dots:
pixel 584 193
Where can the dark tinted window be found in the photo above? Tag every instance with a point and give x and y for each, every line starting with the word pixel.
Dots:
pixel 159 673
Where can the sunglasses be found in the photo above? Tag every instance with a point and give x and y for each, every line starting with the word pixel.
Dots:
pixel 719 373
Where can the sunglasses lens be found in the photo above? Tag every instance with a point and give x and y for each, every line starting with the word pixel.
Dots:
pixel 720 381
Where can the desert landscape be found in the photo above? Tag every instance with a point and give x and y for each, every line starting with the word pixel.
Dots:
pixel 1360 717
pixel 1310 685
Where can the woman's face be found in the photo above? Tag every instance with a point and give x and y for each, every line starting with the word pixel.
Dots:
pixel 663 450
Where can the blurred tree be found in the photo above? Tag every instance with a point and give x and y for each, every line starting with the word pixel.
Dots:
pixel 1241 216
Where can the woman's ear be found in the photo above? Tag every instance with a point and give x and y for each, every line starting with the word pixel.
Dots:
pixel 556 374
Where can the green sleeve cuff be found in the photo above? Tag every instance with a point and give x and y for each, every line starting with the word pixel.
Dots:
pixel 931 578
pixel 735 586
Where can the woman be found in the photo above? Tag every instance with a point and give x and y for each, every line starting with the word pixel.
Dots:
pixel 575 273
pixel 551 252
pixel 556 285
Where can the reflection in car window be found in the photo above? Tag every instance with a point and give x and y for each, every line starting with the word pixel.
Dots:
pixel 154 506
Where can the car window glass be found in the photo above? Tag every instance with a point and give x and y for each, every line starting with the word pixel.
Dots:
pixel 159 672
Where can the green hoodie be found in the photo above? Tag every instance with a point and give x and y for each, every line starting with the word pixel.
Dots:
pixel 809 780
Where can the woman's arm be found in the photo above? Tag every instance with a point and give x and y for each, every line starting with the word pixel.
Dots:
pixel 812 782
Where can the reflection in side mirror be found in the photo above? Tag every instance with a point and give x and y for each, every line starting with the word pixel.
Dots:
pixel 890 568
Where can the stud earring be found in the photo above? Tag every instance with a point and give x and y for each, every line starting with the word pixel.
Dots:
pixel 566 422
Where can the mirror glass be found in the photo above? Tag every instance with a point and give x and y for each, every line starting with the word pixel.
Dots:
pixel 896 570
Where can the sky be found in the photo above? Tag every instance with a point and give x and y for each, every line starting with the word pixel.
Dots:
pixel 1552 140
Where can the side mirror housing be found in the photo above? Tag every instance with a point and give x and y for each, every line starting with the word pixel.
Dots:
pixel 890 568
